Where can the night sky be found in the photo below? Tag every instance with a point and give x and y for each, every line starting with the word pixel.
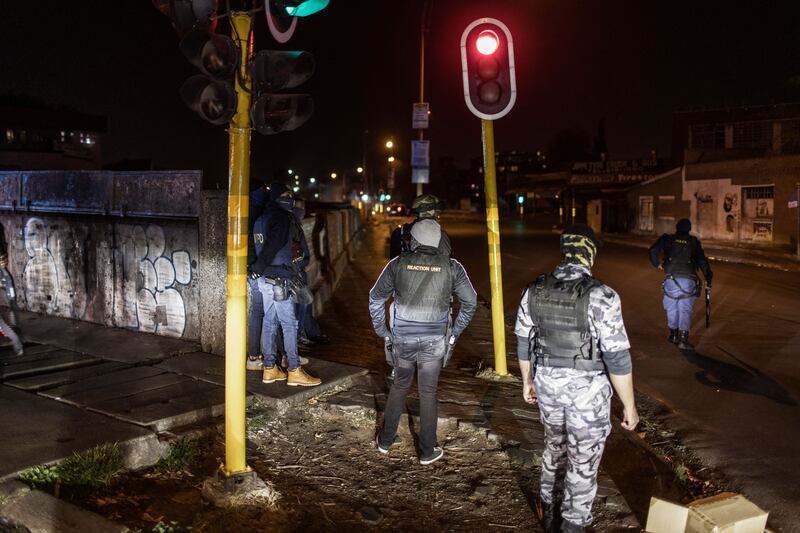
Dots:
pixel 629 62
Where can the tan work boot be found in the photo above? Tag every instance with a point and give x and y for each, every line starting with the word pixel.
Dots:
pixel 298 377
pixel 273 374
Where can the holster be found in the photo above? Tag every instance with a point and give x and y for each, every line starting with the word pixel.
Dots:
pixel 279 289
pixel 388 350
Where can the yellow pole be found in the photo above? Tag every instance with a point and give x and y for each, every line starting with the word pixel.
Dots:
pixel 236 296
pixel 495 271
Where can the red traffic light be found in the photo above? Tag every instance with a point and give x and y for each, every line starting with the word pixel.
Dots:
pixel 487 42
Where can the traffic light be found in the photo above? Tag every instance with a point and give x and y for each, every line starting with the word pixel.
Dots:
pixel 273 71
pixel 211 94
pixel 188 15
pixel 281 15
pixel 487 65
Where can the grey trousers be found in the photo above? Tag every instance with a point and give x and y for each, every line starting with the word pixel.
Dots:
pixel 575 408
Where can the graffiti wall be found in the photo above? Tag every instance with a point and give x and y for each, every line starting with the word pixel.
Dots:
pixel 135 276
pixel 117 249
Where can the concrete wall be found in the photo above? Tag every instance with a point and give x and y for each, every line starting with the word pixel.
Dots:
pixel 119 249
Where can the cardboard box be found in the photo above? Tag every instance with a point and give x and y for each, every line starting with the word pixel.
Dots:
pixel 723 513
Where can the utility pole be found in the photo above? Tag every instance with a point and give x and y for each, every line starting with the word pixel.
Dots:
pixel 424 25
pixel 236 295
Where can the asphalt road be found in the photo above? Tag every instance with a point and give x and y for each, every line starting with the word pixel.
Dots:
pixel 735 401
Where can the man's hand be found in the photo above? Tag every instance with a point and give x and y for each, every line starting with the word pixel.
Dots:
pixel 630 418
pixel 529 392
pixel 661 267
pixel 253 275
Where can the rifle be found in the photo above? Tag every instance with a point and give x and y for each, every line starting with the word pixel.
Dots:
pixel 708 306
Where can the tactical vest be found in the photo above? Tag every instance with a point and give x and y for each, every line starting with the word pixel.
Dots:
pixel 287 253
pixel 423 286
pixel 560 310
pixel 678 261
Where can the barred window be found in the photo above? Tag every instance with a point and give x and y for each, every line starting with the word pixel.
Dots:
pixel 759 193
pixel 708 136
pixel 752 134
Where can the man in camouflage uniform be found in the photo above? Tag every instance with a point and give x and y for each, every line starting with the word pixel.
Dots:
pixel 572 347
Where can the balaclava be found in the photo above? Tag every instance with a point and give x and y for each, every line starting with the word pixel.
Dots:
pixel 578 245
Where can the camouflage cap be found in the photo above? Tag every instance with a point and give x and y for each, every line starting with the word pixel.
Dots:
pixel 426 205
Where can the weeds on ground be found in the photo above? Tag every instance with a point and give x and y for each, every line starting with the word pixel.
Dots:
pixel 183 453
pixel 92 468
pixel 169 527
pixel 40 476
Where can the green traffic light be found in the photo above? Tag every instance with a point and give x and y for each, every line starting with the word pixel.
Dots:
pixel 309 7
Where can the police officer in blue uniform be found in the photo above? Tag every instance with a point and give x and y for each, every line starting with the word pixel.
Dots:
pixel 680 255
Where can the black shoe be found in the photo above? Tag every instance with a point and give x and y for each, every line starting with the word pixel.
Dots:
pixel 437 454
pixel 547 516
pixel 683 341
pixel 673 336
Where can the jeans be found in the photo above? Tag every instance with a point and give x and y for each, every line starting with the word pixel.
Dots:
pixel 425 355
pixel 277 314
pixel 309 327
pixel 679 297
pixel 255 317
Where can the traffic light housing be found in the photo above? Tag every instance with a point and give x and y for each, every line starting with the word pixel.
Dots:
pixel 487 65
pixel 188 15
pixel 211 94
pixel 273 71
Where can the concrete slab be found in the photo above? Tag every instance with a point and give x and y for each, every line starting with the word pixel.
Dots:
pixel 31 350
pixel 42 513
pixel 36 430
pixel 44 362
pixel 54 379
pixel 109 343
pixel 199 365
pixel 104 381
pixel 332 375
pixel 92 397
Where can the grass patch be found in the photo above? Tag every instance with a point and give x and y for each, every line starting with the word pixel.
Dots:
pixel 92 468
pixel 183 453
pixel 169 527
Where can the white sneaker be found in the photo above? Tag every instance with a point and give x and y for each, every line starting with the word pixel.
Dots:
pixel 437 454
pixel 255 364
pixel 381 448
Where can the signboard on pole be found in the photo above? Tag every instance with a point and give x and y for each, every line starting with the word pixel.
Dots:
pixel 419 115
pixel 420 175
pixel 420 154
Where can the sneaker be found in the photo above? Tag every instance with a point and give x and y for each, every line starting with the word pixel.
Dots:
pixel 273 374
pixel 285 361
pixel 298 377
pixel 255 364
pixel 381 448
pixel 437 454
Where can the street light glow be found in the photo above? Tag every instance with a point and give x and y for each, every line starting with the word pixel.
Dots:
pixel 487 42
pixel 389 144
pixel 333 175
pixel 391 159
pixel 296 188
pixel 360 170
pixel 312 180
pixel 291 171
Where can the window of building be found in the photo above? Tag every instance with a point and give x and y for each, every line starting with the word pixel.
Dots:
pixel 646 213
pixel 514 168
pixel 707 136
pixel 752 134
pixel 9 136
pixel 759 193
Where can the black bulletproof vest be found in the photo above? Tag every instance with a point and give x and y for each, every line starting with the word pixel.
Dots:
pixel 423 286
pixel 678 261
pixel 560 310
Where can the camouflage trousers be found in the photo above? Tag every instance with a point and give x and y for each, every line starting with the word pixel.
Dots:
pixel 574 407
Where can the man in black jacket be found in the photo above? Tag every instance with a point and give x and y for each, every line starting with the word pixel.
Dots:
pixel 424 207
pixel 279 245
pixel 680 255
pixel 423 282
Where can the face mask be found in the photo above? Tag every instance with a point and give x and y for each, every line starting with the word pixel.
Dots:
pixel 285 202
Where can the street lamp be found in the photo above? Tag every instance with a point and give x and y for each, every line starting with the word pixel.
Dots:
pixel 389 144
pixel 391 159
pixel 312 180
pixel 333 175
pixel 360 170
pixel 291 171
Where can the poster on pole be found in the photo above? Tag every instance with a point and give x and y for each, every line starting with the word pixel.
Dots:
pixel 420 175
pixel 419 115
pixel 420 154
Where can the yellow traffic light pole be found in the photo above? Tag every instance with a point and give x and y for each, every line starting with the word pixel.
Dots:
pixel 236 296
pixel 495 271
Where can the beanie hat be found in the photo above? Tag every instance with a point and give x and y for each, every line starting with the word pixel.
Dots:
pixel 579 245
pixel 684 225
pixel 427 232
pixel 276 189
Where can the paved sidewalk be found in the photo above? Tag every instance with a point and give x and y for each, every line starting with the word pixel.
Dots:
pixel 80 384
pixel 758 255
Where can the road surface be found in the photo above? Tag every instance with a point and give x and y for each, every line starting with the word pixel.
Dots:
pixel 735 400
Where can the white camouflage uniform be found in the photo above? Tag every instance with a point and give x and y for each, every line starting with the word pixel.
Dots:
pixel 574 405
